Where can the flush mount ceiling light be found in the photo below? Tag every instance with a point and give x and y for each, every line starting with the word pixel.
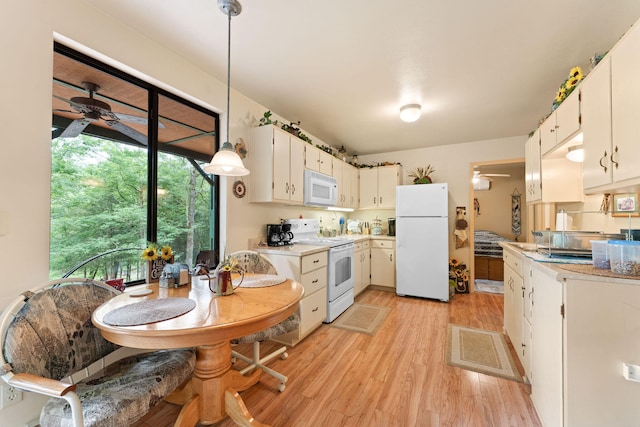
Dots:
pixel 410 113
pixel 226 161
pixel 575 154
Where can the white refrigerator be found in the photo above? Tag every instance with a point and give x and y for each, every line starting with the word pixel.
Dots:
pixel 422 241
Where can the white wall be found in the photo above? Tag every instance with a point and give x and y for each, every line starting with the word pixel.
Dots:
pixel 452 165
pixel 25 83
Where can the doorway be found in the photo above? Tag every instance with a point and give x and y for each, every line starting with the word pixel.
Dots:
pixel 498 197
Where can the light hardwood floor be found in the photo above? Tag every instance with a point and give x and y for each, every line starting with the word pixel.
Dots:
pixel 396 378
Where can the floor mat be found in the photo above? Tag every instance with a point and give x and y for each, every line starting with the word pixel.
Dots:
pixel 481 351
pixel 365 318
pixel 492 286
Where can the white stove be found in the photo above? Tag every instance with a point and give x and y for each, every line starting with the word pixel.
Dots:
pixel 340 264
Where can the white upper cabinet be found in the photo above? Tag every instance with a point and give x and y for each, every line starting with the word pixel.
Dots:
pixel 611 107
pixel 532 168
pixel 378 187
pixel 318 160
pixel 277 172
pixel 347 178
pixel 562 124
pixel 596 129
pixel 625 106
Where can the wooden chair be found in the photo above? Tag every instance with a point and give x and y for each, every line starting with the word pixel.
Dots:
pixel 48 345
pixel 253 262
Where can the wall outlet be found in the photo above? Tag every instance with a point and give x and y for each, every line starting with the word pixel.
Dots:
pixel 9 396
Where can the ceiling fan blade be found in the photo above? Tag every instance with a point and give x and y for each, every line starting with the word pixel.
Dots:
pixel 126 130
pixel 75 128
pixel 136 119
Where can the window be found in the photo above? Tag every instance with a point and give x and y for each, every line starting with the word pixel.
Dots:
pixel 121 176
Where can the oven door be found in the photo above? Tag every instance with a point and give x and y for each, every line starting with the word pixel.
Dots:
pixel 341 265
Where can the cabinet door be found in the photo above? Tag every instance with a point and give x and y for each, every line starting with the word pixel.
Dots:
pixel 546 348
pixel 625 106
pixel 387 182
pixel 548 134
pixel 354 188
pixel 337 173
pixel 532 168
pixel 281 165
pixel 368 188
pixel 366 266
pixel 325 163
pixel 596 126
pixel 383 267
pixel 312 158
pixel 513 304
pixel 568 117
pixel 296 170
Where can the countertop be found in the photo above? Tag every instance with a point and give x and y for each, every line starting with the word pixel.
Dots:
pixel 556 271
pixel 302 250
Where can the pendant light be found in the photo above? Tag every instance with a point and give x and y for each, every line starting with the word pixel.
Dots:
pixel 226 161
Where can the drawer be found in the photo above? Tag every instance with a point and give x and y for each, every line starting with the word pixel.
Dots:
pixel 313 310
pixel 513 261
pixel 313 262
pixel 382 244
pixel 314 280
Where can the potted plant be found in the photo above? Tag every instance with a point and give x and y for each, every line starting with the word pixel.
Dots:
pixel 422 175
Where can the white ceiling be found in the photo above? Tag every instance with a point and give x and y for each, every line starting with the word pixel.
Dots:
pixel 481 69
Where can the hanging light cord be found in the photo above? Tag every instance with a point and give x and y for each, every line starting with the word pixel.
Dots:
pixel 228 68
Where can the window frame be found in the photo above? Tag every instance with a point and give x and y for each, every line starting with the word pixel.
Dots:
pixel 153 145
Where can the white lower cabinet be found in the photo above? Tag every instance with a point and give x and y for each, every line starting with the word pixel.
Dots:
pixel 362 266
pixel 383 263
pixel 311 271
pixel 546 347
pixel 576 334
pixel 602 327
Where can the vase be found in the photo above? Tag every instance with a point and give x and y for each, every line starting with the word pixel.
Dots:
pixel 425 180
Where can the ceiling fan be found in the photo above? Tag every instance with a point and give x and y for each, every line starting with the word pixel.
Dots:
pixel 93 110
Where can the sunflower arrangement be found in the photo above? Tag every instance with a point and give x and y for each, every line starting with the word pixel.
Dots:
pixel 152 252
pixel 575 76
pixel 458 275
pixel 229 264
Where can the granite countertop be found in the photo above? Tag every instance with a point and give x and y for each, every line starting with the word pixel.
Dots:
pixel 560 271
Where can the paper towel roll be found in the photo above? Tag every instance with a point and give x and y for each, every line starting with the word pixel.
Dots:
pixel 563 222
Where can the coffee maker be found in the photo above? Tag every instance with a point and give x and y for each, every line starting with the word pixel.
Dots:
pixel 279 235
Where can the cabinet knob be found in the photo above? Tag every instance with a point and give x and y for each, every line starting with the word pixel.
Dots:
pixel 314 310
pixel 315 281
pixel 293 189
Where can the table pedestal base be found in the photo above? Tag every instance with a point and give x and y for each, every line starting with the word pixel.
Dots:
pixel 213 390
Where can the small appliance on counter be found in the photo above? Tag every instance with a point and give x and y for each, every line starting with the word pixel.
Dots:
pixel 391 231
pixel 279 235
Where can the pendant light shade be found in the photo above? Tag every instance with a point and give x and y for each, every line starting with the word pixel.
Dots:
pixel 226 161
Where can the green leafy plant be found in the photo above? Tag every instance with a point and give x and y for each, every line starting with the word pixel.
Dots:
pixel 266 119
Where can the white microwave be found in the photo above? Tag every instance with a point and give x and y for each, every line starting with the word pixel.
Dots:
pixel 319 189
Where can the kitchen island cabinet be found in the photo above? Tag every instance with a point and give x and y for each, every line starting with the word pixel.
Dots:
pixel 583 328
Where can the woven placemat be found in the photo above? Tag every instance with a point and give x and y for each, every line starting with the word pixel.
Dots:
pixel 262 280
pixel 590 269
pixel 149 311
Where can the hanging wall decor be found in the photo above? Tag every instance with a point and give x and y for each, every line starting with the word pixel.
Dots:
pixel 461 227
pixel 515 213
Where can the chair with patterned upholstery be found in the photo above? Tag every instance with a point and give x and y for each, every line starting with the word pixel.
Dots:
pixel 48 345
pixel 253 262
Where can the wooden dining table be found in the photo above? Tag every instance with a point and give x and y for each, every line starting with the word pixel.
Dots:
pixel 212 393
